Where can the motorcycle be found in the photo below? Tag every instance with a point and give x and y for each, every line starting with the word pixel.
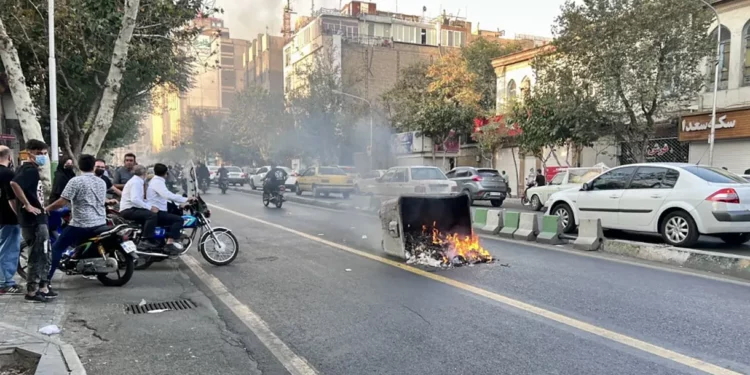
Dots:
pixel 276 197
pixel 524 198
pixel 223 185
pixel 224 245
pixel 203 185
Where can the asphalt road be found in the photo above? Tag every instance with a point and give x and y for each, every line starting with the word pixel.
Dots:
pixel 348 313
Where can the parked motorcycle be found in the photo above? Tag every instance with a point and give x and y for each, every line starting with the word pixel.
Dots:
pixel 276 197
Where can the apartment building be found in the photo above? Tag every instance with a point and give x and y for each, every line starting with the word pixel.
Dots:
pixel 265 63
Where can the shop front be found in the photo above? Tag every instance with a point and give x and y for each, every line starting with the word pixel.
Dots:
pixel 732 139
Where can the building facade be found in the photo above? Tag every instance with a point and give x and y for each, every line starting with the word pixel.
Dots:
pixel 266 63
pixel 732 138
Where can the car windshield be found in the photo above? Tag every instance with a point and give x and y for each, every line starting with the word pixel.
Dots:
pixel 213 168
pixel 349 169
pixel 582 175
pixel 331 171
pixel 234 169
pixel 427 174
pixel 715 175
pixel 488 173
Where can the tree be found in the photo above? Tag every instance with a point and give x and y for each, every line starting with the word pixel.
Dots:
pixel 491 135
pixel 257 121
pixel 102 76
pixel 641 58
pixel 208 135
pixel 478 56
pixel 561 111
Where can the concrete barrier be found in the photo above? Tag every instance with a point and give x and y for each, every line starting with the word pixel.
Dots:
pixel 551 230
pixel 528 227
pixel 511 219
pixel 479 220
pixel 590 235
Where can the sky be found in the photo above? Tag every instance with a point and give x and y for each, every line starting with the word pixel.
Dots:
pixel 247 18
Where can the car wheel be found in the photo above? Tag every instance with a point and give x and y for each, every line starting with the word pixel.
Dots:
pixel 297 190
pixel 497 202
pixel 536 204
pixel 252 184
pixel 735 238
pixel 316 192
pixel 678 229
pixel 566 216
pixel 242 184
pixel 467 193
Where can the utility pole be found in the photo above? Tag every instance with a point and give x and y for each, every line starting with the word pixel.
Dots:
pixel 712 136
pixel 52 87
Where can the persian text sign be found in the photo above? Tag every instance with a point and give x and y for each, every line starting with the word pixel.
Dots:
pixel 729 125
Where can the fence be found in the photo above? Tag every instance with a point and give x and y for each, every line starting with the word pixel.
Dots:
pixel 657 150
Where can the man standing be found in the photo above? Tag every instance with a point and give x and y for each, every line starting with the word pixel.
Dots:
pixel 540 180
pixel 133 206
pixel 10 232
pixel 100 170
pixel 124 173
pixel 157 195
pixel 27 187
pixel 88 195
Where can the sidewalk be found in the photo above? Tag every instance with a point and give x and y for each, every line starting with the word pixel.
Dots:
pixel 19 326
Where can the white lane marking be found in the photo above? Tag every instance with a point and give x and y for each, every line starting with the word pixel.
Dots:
pixel 632 342
pixel 295 364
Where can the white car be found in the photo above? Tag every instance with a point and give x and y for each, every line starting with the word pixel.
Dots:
pixel 366 184
pixel 563 180
pixel 256 180
pixel 678 201
pixel 417 180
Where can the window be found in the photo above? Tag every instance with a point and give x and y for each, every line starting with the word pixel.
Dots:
pixel 308 172
pixel 614 180
pixel 726 37
pixel 715 175
pixel 389 175
pixel 558 179
pixel 525 87
pixel 511 90
pixel 463 173
pixel 670 179
pixel 648 178
pixel 420 174
pixel 451 174
pixel 331 171
pixel 262 170
pixel 488 173
pixel 401 175
pixel 746 70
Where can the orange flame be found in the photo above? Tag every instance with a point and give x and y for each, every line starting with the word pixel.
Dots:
pixel 467 247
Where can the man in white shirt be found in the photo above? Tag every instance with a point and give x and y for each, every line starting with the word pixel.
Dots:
pixel 133 207
pixel 157 195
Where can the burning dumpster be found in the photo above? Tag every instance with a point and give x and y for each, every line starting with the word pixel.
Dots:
pixel 431 230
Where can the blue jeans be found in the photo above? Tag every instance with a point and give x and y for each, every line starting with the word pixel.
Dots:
pixel 70 236
pixel 10 249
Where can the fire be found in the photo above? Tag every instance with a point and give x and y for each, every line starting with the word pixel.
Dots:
pixel 466 248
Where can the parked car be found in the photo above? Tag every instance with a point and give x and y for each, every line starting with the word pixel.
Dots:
pixel 256 180
pixel 350 171
pixel 418 180
pixel 678 201
pixel 480 184
pixel 212 174
pixel 563 180
pixel 291 180
pixel 366 184
pixel 325 180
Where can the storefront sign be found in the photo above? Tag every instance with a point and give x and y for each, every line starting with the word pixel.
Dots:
pixel 729 125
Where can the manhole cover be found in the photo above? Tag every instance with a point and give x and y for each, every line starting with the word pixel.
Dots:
pixel 183 304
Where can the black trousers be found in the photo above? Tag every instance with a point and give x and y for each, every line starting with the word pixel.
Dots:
pixel 172 222
pixel 144 216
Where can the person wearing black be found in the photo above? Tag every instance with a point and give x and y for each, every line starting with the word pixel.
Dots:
pixel 202 174
pixel 273 179
pixel 10 232
pixel 99 170
pixel 222 173
pixel 63 174
pixel 28 189
pixel 540 180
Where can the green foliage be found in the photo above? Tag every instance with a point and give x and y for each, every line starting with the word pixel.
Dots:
pixel 257 120
pixel 641 58
pixel 491 137
pixel 479 55
pixel 85 32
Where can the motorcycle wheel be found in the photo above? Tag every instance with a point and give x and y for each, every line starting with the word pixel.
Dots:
pixel 219 233
pixel 124 260
pixel 266 200
pixel 279 203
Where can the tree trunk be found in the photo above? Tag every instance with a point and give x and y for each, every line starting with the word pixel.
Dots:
pixel 25 108
pixel 106 111
pixel 515 165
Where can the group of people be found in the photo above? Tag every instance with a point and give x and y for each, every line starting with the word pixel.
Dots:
pixel 23 213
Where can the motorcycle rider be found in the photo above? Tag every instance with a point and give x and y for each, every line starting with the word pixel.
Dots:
pixel 157 195
pixel 273 179
pixel 88 195
pixel 223 174
pixel 202 174
pixel 133 207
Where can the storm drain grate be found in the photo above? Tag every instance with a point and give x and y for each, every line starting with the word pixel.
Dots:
pixel 183 304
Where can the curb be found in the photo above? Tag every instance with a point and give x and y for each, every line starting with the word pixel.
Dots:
pixel 46 366
pixel 701 260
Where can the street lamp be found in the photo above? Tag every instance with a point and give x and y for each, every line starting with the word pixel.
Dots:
pixel 370 105
pixel 52 86
pixel 716 85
